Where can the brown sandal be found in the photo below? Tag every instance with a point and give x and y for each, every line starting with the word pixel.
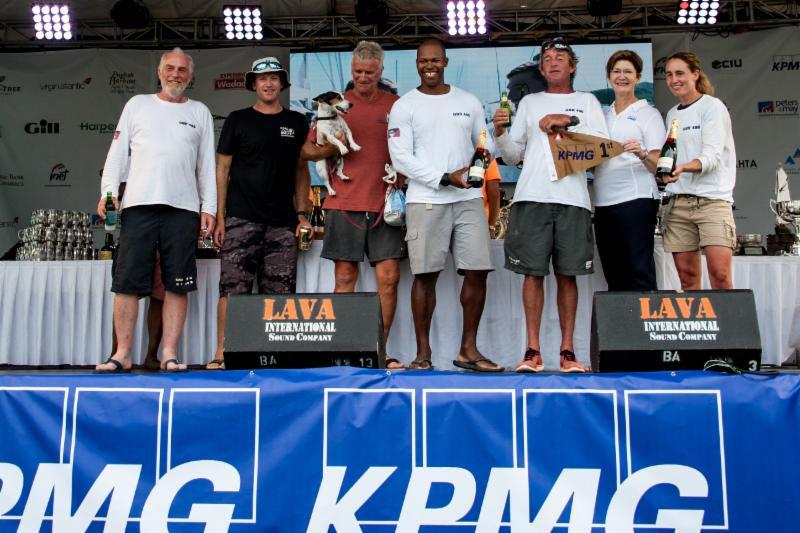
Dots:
pixel 421 363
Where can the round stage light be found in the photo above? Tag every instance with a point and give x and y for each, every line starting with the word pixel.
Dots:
pixel 227 12
pixel 712 12
pixel 46 18
pixel 462 31
pixel 38 26
pixel 712 20
pixel 229 35
pixel 703 13
pixel 460 5
pixel 480 4
pixel 256 12
pixel 256 20
pixel 682 12
pixel 57 27
pixel 701 20
pixel 248 28
pixel 452 31
pixel 37 18
pixel 462 23
pixel 48 26
pixel 55 18
pixel 48 35
pixel 240 35
pixel 64 10
pixel 481 29
pixel 481 13
pixel 257 28
pixel 228 27
pixel 470 12
pixel 246 12
pixel 237 12
pixel 238 28
pixel 45 10
pixel 237 20
pixel 451 15
pixel 67 27
pixel 228 20
pixel 67 35
pixel 248 35
pixel 40 35
pixel 684 5
pixel 714 5
pixel 691 20
pixel 692 12
pixel 58 35
pixel 451 6
pixel 258 36
pixel 472 30
pixel 36 9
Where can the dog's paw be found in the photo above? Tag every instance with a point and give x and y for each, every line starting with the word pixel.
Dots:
pixel 343 150
pixel 354 147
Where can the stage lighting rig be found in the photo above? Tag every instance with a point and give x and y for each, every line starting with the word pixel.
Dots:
pixel 698 11
pixel 51 22
pixel 243 22
pixel 130 14
pixel 466 17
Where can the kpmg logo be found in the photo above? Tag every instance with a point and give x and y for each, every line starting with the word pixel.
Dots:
pixel 229 80
pixel 778 108
pixel 43 127
pixel 718 64
pixel 525 478
pixel 784 62
pixel 73 466
pixel 62 86
pixel 122 82
pixel 6 90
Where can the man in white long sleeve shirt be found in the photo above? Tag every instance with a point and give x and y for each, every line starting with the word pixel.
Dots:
pixel 550 217
pixel 432 134
pixel 171 192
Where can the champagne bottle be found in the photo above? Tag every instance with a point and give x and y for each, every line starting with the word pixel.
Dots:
pixel 111 213
pixel 505 104
pixel 668 157
pixel 317 219
pixel 107 251
pixel 479 163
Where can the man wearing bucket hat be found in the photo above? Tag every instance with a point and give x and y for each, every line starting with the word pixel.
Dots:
pixel 262 190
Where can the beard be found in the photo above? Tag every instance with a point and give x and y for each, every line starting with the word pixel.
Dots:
pixel 171 90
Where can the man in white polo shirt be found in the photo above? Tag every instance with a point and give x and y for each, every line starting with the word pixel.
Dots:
pixel 170 197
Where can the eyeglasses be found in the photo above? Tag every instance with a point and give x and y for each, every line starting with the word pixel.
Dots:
pixel 264 65
pixel 558 43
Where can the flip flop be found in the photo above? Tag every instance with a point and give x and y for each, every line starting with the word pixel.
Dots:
pixel 167 370
pixel 420 364
pixel 220 364
pixel 392 361
pixel 118 368
pixel 473 366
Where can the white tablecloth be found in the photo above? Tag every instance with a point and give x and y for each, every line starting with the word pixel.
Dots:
pixel 60 312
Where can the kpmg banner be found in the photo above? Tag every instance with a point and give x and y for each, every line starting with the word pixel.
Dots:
pixel 358 450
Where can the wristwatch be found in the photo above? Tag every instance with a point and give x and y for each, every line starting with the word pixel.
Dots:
pixel 573 121
pixel 445 181
pixel 302 214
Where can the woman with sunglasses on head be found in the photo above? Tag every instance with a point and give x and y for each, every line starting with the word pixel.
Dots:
pixel 625 193
pixel 701 186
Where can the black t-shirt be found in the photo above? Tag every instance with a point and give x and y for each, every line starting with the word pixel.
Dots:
pixel 265 149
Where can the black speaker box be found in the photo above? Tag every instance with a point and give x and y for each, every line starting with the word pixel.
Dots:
pixel 304 330
pixel 669 330
pixel 604 8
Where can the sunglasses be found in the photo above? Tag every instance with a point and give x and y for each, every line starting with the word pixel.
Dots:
pixel 557 43
pixel 264 65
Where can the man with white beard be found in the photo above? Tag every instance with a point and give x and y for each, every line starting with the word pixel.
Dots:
pixel 167 142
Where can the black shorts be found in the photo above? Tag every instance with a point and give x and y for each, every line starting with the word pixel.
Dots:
pixel 148 229
pixel 351 234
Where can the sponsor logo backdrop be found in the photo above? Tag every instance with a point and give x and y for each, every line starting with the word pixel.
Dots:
pixel 59 110
pixel 356 449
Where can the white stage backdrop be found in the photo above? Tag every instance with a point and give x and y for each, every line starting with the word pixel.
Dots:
pixel 58 109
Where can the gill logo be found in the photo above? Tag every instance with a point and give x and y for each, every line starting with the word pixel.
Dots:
pixel 299 308
pixel 673 308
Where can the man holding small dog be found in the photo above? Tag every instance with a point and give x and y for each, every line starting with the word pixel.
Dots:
pixel 433 131
pixel 353 222
pixel 262 191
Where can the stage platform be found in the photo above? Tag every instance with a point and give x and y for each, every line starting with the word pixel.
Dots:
pixel 344 449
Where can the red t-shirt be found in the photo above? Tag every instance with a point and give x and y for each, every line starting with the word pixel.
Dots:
pixel 366 190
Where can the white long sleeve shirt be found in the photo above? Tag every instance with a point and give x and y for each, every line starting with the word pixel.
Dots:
pixel 705 134
pixel 433 134
pixel 171 150
pixel 525 140
pixel 625 178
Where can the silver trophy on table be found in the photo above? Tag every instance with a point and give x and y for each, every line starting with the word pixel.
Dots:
pixel 786 210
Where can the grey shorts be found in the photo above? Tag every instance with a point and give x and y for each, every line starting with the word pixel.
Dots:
pixel 253 250
pixel 537 231
pixel 351 234
pixel 434 229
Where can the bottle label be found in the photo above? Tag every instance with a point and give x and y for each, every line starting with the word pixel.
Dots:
pixel 477 171
pixel 111 220
pixel 105 255
pixel 665 162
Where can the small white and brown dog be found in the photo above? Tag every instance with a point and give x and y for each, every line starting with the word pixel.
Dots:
pixel 331 107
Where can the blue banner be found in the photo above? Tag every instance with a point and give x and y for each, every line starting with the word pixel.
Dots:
pixel 352 450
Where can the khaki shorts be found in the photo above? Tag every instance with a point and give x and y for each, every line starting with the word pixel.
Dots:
pixel 694 223
pixel 434 229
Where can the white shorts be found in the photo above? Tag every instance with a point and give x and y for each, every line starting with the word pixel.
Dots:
pixel 432 230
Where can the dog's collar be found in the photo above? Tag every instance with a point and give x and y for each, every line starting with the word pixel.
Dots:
pixel 327 118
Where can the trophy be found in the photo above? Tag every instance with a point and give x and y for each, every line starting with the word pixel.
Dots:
pixel 786 209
